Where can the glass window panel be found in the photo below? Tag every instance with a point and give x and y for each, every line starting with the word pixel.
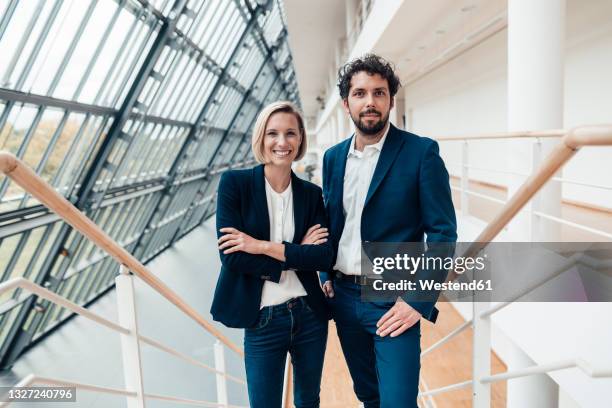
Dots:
pixel 56 46
pixel 85 49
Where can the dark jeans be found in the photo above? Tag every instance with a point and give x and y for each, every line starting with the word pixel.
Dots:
pixel 385 370
pixel 289 327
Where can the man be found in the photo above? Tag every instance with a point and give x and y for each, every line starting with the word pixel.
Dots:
pixel 380 185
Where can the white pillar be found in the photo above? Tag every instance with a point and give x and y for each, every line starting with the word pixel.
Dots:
pixel 537 391
pixel 536 31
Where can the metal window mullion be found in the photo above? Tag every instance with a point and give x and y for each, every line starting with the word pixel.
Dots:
pixel 132 150
pixel 76 142
pixel 38 251
pixel 197 21
pixel 6 18
pixel 153 157
pixel 23 239
pixel 231 31
pixel 22 42
pixel 179 111
pixel 224 32
pixel 134 62
pixel 178 57
pixel 47 154
pixel 106 81
pixel 38 44
pixel 200 97
pixel 147 153
pixel 70 51
pixel 98 50
pixel 186 80
pixel 208 25
pixel 23 146
pixel 71 151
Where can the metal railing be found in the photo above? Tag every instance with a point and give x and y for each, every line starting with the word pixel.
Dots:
pixel 127 327
pixel 480 323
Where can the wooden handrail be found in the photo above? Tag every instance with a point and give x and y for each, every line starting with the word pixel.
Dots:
pixel 572 141
pixel 506 135
pixel 43 192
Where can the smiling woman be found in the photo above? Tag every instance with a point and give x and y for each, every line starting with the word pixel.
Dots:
pixel 272 240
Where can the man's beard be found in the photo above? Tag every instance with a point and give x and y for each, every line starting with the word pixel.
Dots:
pixel 375 127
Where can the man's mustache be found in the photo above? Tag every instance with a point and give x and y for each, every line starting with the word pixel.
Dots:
pixel 370 112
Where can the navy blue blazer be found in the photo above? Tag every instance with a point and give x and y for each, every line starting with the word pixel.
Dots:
pixel 409 196
pixel 241 203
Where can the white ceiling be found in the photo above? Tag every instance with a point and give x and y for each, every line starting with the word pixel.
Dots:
pixel 314 28
pixel 421 36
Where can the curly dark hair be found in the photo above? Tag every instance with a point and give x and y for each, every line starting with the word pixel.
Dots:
pixel 372 64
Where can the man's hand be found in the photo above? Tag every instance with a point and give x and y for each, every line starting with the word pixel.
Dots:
pixel 315 235
pixel 235 241
pixel 328 289
pixel 398 319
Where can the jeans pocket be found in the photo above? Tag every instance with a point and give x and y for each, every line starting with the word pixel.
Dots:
pixel 265 315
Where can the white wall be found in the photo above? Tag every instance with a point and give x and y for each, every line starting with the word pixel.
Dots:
pixel 468 95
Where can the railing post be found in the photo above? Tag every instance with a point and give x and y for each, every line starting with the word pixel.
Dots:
pixel 288 384
pixel 534 206
pixel 219 352
pixel 130 346
pixel 481 354
pixel 465 181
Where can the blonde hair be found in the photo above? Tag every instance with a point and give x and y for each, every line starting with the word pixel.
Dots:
pixel 259 130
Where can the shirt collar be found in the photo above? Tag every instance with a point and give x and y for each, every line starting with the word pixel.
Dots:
pixel 378 146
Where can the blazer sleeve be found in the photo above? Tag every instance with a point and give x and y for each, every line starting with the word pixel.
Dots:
pixel 439 222
pixel 310 257
pixel 228 215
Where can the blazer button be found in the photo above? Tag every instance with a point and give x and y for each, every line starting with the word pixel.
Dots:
pixel 265 277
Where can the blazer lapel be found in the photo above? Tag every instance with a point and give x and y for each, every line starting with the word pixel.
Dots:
pixel 389 152
pixel 260 202
pixel 338 172
pixel 299 213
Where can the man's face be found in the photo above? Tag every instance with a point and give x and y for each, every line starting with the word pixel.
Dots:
pixel 369 102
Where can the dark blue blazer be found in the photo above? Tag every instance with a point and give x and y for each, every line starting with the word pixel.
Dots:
pixel 241 203
pixel 409 196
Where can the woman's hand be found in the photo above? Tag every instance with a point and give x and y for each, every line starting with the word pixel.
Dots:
pixel 315 235
pixel 234 241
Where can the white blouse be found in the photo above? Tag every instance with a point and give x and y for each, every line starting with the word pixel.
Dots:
pixel 282 228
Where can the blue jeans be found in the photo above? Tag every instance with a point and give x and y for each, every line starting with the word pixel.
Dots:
pixel 385 370
pixel 289 327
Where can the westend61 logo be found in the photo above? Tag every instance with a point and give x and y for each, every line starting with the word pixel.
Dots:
pixel 412 264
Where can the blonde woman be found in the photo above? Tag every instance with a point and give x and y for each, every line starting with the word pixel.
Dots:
pixel 272 240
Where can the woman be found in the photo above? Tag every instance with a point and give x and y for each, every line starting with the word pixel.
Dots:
pixel 272 241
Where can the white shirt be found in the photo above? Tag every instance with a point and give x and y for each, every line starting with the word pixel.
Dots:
pixel 282 228
pixel 358 174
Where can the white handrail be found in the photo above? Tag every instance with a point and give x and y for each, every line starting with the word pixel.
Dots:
pixel 555 366
pixel 53 297
pixel 458 330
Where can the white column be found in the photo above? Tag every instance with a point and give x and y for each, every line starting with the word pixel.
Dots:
pixel 343 132
pixel 531 391
pixel 536 31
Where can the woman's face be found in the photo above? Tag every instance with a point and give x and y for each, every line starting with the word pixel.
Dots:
pixel 282 139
